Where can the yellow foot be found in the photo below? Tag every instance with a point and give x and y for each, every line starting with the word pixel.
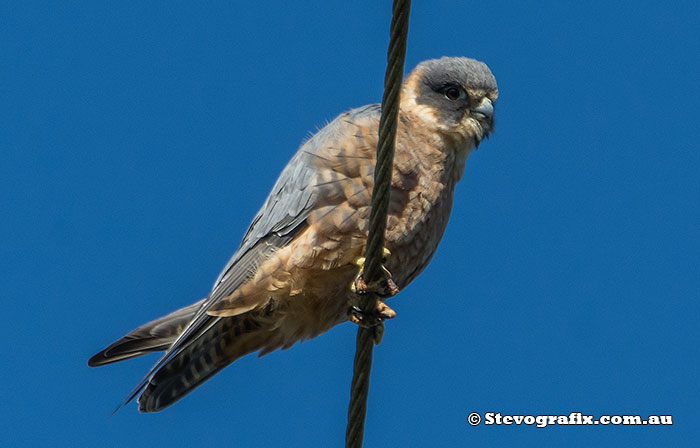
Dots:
pixel 384 287
pixel 373 320
pixel 379 314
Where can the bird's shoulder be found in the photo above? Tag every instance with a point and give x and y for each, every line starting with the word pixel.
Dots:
pixel 344 149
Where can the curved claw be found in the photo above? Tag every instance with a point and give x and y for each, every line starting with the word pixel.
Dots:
pixel 372 318
pixel 384 287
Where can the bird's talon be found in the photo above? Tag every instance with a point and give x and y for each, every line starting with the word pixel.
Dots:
pixel 371 318
pixel 355 314
pixel 391 287
pixel 385 254
pixel 385 287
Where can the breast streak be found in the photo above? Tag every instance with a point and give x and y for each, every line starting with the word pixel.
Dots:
pixel 311 277
pixel 421 201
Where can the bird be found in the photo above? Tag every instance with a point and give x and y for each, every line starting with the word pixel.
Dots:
pixel 295 272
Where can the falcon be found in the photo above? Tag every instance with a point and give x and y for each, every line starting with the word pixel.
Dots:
pixel 295 274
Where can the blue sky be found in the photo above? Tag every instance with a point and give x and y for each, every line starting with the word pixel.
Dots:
pixel 138 140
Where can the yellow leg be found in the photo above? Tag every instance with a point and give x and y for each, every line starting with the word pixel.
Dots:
pixel 383 287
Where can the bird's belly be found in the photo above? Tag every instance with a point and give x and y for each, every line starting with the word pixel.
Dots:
pixel 323 297
pixel 413 244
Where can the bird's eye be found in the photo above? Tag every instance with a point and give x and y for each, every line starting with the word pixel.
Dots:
pixel 453 93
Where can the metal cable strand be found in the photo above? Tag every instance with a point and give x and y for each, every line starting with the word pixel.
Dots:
pixel 377 221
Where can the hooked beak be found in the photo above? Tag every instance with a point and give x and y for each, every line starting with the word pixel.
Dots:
pixel 484 112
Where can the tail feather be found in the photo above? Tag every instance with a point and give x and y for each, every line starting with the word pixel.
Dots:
pixel 213 347
pixel 227 340
pixel 154 336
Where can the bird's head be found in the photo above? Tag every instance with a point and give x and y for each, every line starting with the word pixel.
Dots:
pixel 453 97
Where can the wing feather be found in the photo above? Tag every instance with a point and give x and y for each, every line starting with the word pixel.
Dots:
pixel 282 216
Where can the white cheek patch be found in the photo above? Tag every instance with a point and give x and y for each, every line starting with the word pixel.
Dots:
pixel 408 101
pixel 426 114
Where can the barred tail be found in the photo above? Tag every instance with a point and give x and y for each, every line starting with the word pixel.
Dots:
pixel 227 340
